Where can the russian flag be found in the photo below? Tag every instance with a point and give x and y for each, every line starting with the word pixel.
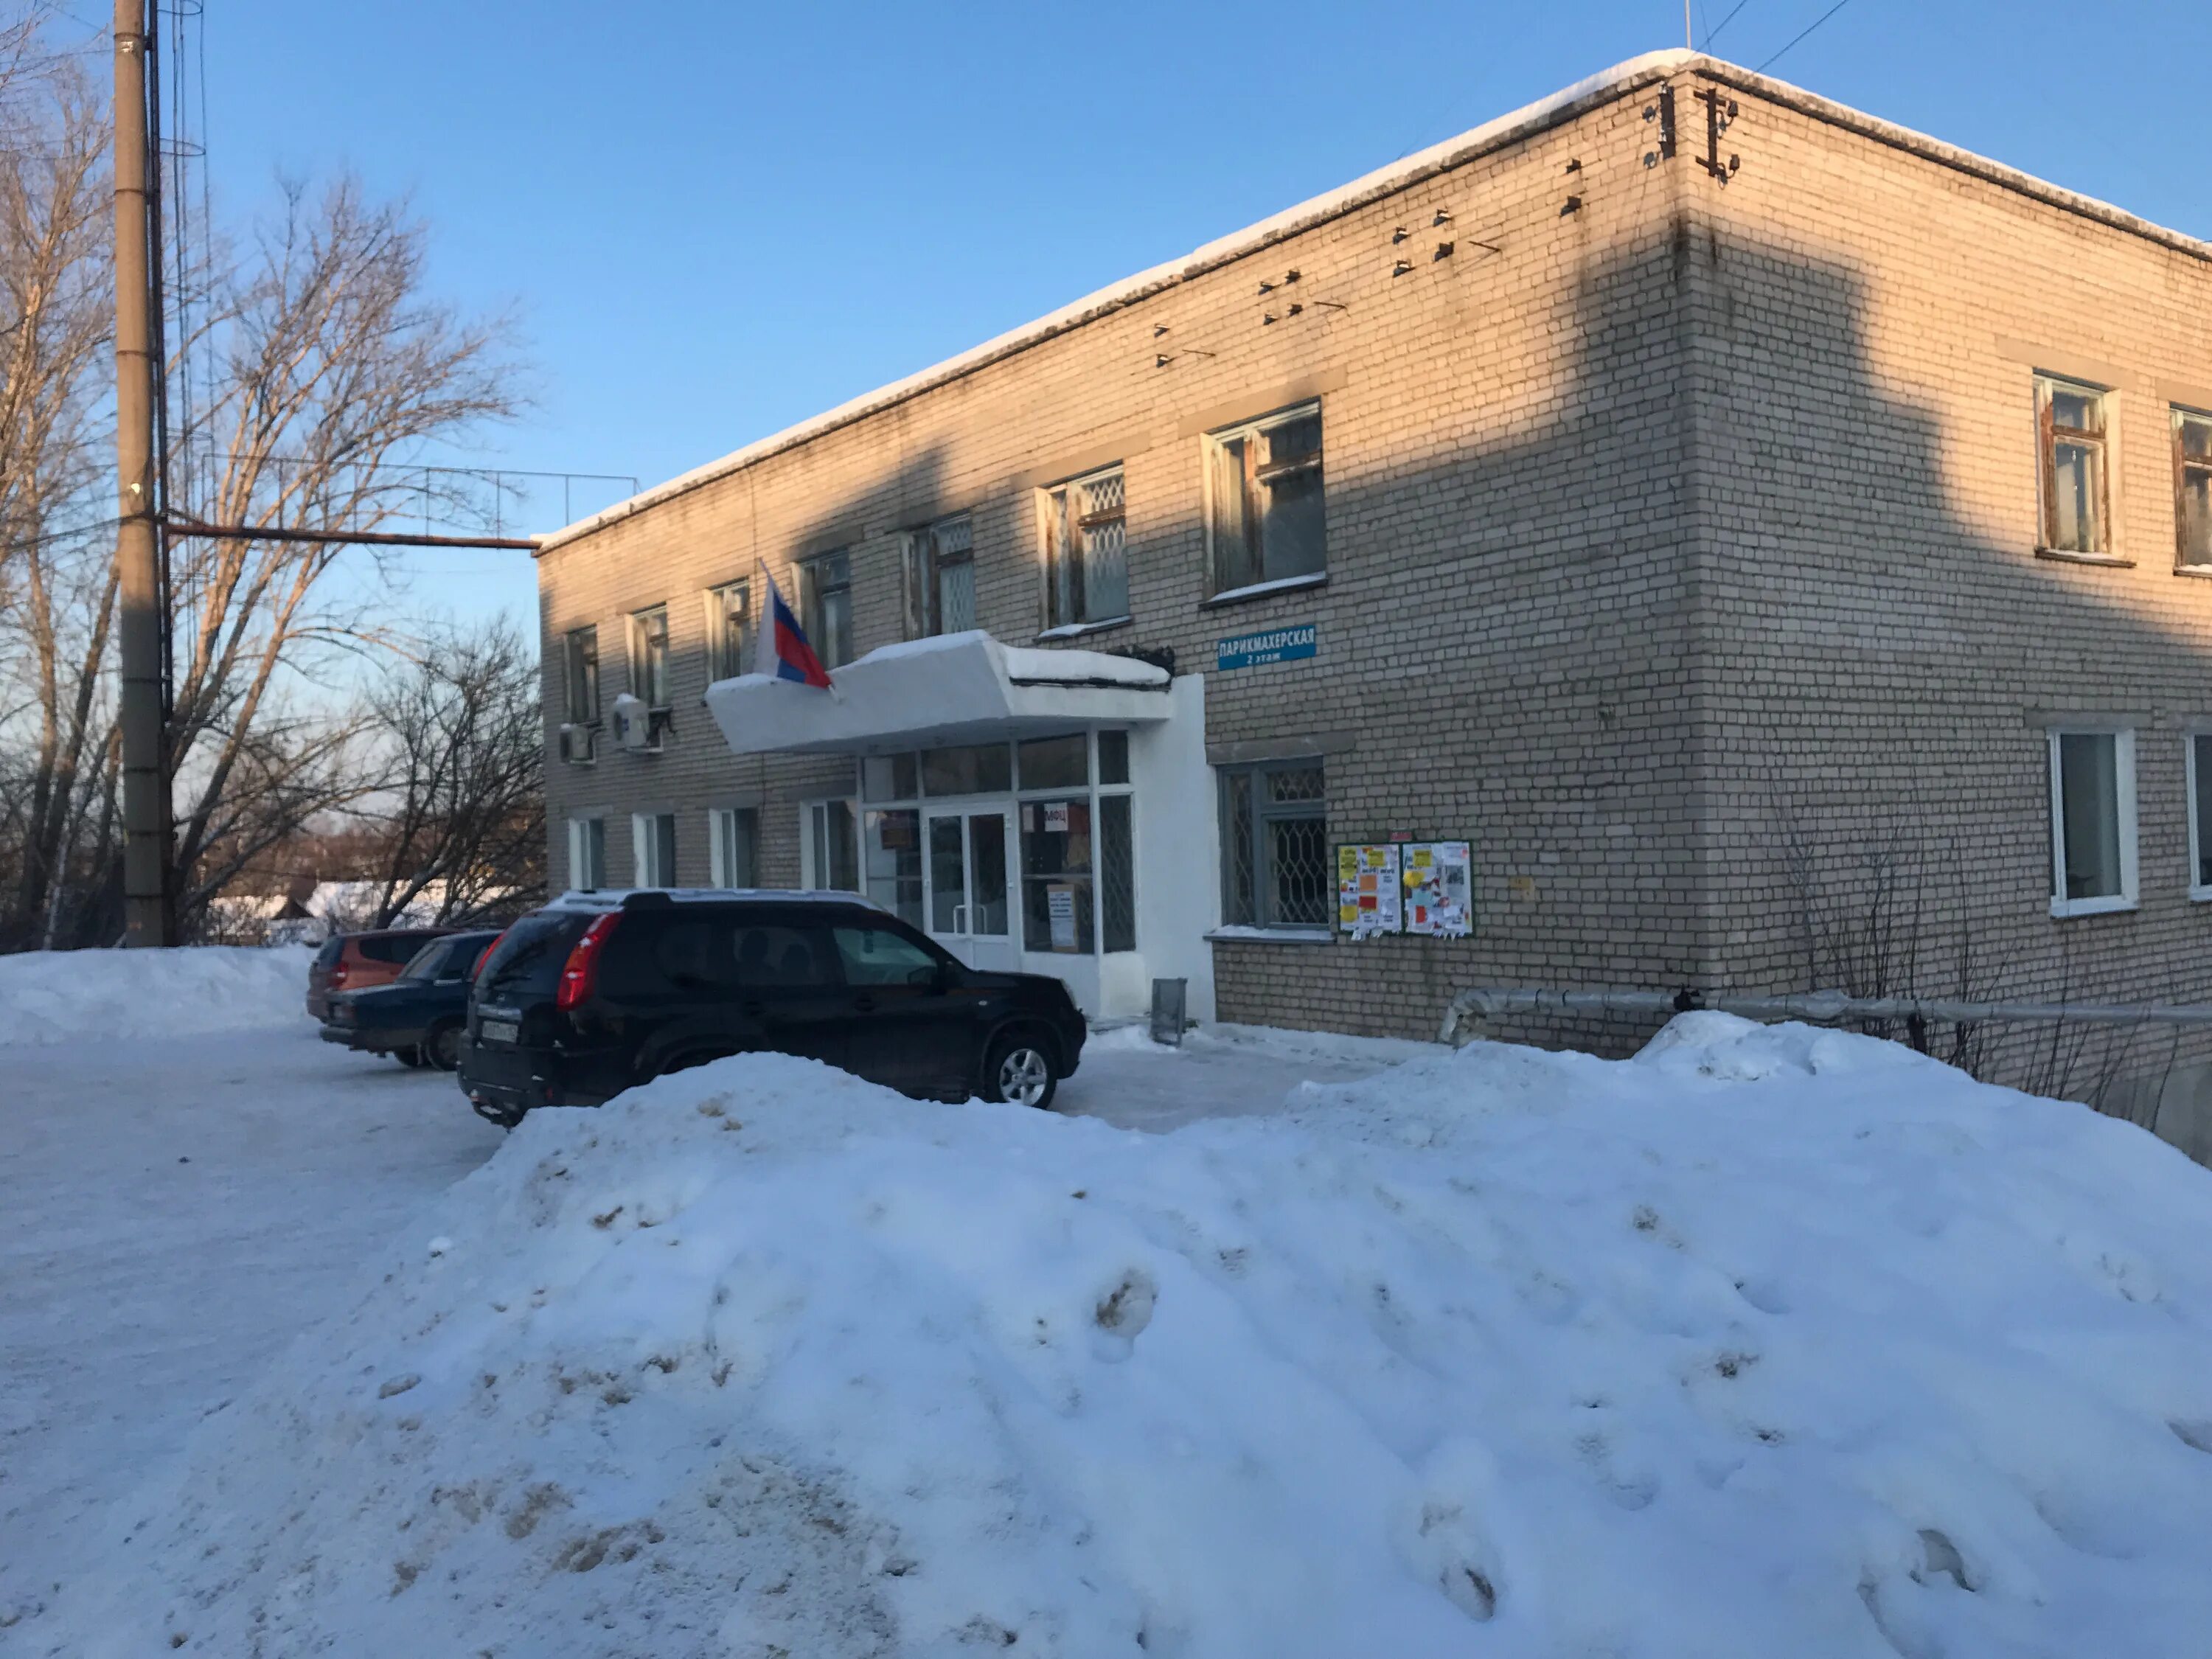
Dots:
pixel 794 657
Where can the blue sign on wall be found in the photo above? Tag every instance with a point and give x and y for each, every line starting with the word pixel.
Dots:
pixel 1276 644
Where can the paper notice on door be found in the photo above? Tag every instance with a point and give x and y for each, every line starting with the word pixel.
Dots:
pixel 1056 818
pixel 1059 908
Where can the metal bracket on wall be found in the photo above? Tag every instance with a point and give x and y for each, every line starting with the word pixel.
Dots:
pixel 1720 115
pixel 1662 111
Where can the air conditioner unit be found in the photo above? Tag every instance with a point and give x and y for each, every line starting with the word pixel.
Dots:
pixel 580 745
pixel 632 722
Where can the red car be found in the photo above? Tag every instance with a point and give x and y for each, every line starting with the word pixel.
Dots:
pixel 348 962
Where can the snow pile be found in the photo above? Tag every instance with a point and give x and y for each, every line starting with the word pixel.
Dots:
pixel 67 996
pixel 1770 1341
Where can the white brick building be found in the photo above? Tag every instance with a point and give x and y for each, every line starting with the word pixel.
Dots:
pixel 1772 538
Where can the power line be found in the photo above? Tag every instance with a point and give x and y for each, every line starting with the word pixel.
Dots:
pixel 1714 33
pixel 1802 32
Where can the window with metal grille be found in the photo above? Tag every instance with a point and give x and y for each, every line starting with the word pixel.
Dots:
pixel 1086 567
pixel 1274 844
pixel 648 656
pixel 1265 520
pixel 2075 491
pixel 1117 875
pixel 941 587
pixel 2192 484
pixel 582 658
pixel 729 619
pixel 825 606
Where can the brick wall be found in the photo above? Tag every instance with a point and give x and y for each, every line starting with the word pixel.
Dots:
pixel 1680 556
pixel 1878 644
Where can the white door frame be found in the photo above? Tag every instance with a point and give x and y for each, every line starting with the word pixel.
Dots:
pixel 996 952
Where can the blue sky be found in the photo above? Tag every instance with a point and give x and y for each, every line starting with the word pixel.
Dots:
pixel 714 221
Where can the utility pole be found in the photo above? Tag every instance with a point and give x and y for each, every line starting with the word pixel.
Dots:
pixel 142 627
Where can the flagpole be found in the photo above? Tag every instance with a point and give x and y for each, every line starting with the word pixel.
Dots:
pixel 764 620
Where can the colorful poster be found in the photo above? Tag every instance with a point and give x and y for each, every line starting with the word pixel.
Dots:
pixel 1439 881
pixel 1367 893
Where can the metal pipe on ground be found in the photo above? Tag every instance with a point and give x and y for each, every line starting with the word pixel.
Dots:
pixel 1470 1010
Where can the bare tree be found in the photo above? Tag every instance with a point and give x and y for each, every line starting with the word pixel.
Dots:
pixel 335 368
pixel 466 813
pixel 307 365
pixel 57 589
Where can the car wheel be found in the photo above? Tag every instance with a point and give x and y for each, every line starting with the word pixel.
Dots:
pixel 443 1050
pixel 1021 1072
pixel 410 1056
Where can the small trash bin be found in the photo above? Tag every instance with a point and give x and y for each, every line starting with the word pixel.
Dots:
pixel 1168 1001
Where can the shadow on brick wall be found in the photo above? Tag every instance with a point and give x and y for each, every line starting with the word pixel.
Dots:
pixel 1689 636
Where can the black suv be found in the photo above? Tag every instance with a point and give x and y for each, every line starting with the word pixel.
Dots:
pixel 598 992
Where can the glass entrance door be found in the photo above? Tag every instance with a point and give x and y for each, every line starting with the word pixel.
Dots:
pixel 970 911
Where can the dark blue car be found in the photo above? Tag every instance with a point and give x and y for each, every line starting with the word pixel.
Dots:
pixel 418 1018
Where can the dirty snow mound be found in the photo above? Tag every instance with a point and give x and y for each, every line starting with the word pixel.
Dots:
pixel 1765 1342
pixel 60 996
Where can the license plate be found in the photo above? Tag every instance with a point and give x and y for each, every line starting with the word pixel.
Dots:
pixel 498 1031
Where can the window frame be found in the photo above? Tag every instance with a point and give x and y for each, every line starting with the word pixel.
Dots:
pixel 588 636
pixel 578 827
pixel 1058 531
pixel 639 659
pixel 645 849
pixel 2200 832
pixel 925 560
pixel 812 875
pixel 718 855
pixel 2183 417
pixel 723 661
pixel 2105 547
pixel 1211 444
pixel 2123 784
pixel 1264 813
pixel 819 576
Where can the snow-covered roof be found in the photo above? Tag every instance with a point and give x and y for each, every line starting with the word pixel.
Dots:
pixel 1407 170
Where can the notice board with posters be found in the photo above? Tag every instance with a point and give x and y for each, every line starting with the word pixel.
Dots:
pixel 1438 877
pixel 1367 896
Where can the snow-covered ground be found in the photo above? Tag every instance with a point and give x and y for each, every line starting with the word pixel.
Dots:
pixel 189 1178
pixel 1767 1342
pixel 102 996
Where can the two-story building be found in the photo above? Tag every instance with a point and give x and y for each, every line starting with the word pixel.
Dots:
pixel 1770 540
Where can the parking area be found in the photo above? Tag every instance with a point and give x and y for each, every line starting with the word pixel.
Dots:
pixel 172 1213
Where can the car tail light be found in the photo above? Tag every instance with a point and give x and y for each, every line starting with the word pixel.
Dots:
pixel 484 956
pixel 582 968
pixel 339 976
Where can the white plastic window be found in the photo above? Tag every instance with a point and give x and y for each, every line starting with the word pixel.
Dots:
pixel 2093 821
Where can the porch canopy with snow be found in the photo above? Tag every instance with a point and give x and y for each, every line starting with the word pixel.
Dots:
pixel 1045 811
pixel 953 689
